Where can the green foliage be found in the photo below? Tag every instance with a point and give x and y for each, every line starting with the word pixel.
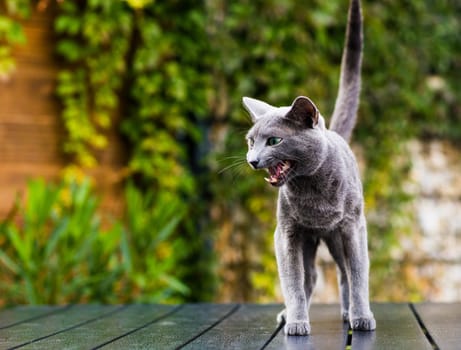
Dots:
pixel 94 40
pixel 137 43
pixel 11 33
pixel 164 66
pixel 167 112
pixel 55 250
pixel 174 73
pixel 151 259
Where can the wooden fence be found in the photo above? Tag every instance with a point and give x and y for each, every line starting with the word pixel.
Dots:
pixel 31 130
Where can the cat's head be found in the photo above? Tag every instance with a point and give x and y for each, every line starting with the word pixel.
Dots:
pixel 286 141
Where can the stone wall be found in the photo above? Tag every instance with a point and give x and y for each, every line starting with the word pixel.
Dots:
pixel 436 186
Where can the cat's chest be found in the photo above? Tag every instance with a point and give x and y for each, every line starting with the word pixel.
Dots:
pixel 313 208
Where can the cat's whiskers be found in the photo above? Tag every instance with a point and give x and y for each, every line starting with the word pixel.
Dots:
pixel 232 166
pixel 236 167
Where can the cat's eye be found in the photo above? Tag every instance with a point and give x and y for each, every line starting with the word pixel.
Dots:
pixel 272 141
pixel 251 143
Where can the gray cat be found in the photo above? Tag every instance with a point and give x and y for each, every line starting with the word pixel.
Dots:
pixel 320 192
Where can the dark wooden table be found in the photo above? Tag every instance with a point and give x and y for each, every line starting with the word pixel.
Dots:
pixel 223 326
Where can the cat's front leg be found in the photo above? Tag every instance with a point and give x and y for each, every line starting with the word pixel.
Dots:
pixel 290 267
pixel 361 317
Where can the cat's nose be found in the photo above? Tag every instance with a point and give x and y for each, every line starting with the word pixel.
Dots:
pixel 254 164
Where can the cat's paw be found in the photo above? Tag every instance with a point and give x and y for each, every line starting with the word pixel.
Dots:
pixel 282 317
pixel 297 328
pixel 363 324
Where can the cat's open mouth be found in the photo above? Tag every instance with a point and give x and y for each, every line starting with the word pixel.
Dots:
pixel 278 173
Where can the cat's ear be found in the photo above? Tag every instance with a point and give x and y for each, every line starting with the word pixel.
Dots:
pixel 256 108
pixel 304 112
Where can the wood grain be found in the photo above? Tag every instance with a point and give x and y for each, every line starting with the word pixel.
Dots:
pixel 443 323
pixel 221 326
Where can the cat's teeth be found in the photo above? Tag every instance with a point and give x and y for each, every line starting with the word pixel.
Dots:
pixel 272 181
pixel 286 166
pixel 283 167
pixel 277 171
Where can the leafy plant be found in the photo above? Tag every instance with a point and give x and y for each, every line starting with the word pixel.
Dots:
pixel 54 249
pixel 149 248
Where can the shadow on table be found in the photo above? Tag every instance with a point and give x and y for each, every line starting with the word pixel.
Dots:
pixel 362 341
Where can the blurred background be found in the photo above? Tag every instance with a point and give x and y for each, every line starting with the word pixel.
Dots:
pixel 122 152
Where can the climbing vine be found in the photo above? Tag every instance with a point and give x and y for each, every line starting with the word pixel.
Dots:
pixel 94 39
pixel 134 61
pixel 159 72
pixel 11 32
pixel 166 123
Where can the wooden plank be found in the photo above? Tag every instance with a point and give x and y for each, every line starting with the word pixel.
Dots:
pixel 36 329
pixel 328 331
pixel 443 323
pixel 30 143
pixel 249 327
pixel 397 328
pixel 104 330
pixel 40 37
pixel 220 326
pixel 29 92
pixel 21 314
pixel 176 330
pixel 12 117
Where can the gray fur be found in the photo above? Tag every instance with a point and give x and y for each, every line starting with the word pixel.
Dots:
pixel 320 196
pixel 347 102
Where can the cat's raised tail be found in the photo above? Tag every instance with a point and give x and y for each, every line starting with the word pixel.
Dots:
pixel 347 102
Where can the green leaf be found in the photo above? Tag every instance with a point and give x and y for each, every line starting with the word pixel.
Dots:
pixel 9 263
pixel 15 34
pixel 21 247
pixel 126 251
pixel 175 284
pixel 55 237
pixel 68 24
pixel 70 49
